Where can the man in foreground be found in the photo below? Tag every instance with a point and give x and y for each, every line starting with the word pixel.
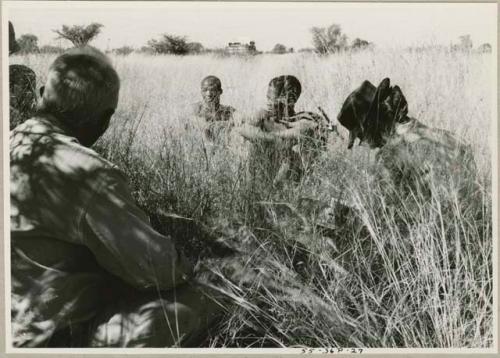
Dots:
pixel 84 257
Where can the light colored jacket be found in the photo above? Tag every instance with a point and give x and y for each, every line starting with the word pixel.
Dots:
pixel 427 155
pixel 76 233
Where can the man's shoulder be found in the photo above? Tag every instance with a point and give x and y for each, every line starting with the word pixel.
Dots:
pixel 258 117
pixel 40 138
pixel 197 108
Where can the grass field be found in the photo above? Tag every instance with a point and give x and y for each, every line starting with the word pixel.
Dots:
pixel 389 274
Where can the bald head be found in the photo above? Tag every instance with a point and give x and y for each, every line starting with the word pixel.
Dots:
pixel 211 81
pixel 81 90
pixel 211 90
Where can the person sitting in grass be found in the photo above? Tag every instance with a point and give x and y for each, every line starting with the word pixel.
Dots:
pixel 22 87
pixel 87 267
pixel 284 141
pixel 218 117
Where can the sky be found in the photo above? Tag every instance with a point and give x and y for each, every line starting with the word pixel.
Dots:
pixel 214 24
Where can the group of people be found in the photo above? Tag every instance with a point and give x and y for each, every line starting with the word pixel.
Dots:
pixel 84 258
pixel 285 142
pixel 87 267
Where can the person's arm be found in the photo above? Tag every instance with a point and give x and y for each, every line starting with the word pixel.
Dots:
pixel 298 129
pixel 252 129
pixel 255 134
pixel 123 241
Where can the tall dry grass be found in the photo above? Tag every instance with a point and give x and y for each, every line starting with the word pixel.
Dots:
pixel 388 271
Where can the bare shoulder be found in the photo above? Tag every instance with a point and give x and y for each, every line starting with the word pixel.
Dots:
pixel 196 108
pixel 257 118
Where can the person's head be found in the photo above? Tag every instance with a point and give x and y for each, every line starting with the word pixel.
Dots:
pixel 22 94
pixel 13 45
pixel 81 91
pixel 282 94
pixel 211 90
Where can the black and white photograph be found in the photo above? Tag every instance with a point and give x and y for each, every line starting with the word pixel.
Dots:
pixel 318 177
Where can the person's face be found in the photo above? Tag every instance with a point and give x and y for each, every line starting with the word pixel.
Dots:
pixel 285 99
pixel 210 91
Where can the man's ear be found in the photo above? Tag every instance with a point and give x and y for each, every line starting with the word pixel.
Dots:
pixel 42 89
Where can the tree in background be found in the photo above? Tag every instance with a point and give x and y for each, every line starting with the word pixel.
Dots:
pixel 170 44
pixel 28 43
pixel 123 51
pixel 465 42
pixel 307 50
pixel 146 50
pixel 360 44
pixel 279 49
pixel 251 47
pixel 195 47
pixel 484 48
pixel 51 49
pixel 79 35
pixel 464 45
pixel 328 39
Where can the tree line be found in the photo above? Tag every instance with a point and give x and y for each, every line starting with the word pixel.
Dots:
pixel 325 40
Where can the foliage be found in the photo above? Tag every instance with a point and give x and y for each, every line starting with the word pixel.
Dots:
pixel 251 47
pixel 48 49
pixel 328 39
pixel 79 35
pixel 123 51
pixel 146 50
pixel 279 49
pixel 359 44
pixel 195 47
pixel 466 42
pixel 28 43
pixel 392 271
pixel 170 44
pixel 486 47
